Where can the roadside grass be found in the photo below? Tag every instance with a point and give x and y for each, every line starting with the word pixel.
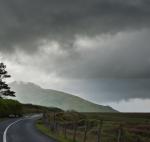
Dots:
pixel 58 137
pixel 3 119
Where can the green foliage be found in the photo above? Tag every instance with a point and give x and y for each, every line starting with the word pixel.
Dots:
pixel 4 88
pixel 8 106
pixel 30 108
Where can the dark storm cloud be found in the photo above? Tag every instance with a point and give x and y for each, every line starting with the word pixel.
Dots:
pixel 83 53
pixel 125 55
pixel 23 23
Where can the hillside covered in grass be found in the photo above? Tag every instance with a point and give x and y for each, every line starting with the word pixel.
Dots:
pixel 33 94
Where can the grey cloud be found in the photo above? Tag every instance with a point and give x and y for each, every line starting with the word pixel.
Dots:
pixel 125 57
pixel 25 22
pixel 111 90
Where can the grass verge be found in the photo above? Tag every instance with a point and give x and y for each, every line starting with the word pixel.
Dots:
pixel 41 127
pixel 3 119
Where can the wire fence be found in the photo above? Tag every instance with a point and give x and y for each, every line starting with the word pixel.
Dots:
pixel 89 130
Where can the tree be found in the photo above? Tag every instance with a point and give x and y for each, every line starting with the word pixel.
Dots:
pixel 4 88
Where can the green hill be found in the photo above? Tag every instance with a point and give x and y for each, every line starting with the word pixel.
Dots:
pixel 33 94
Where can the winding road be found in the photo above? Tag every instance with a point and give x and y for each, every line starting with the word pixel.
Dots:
pixel 22 130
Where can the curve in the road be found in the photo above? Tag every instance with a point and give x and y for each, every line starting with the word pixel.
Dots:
pixel 23 130
pixel 5 132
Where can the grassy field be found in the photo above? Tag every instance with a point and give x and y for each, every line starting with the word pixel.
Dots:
pixel 135 126
pixel 127 127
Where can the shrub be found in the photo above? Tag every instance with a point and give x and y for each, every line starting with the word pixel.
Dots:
pixel 8 106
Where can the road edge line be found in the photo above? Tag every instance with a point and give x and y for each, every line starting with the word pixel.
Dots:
pixel 5 132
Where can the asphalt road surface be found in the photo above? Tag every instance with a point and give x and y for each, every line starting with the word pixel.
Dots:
pixel 21 130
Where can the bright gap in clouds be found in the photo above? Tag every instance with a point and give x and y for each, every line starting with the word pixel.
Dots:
pixel 132 105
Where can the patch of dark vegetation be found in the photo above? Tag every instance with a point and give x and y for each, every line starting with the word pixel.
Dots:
pixel 13 108
pixel 30 108
pixel 10 107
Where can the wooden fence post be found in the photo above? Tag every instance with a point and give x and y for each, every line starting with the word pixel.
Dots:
pixel 138 139
pixel 43 114
pixel 100 123
pixel 85 131
pixel 56 126
pixel 45 118
pixel 120 132
pixel 49 121
pixel 65 130
pixel 75 131
pixel 54 122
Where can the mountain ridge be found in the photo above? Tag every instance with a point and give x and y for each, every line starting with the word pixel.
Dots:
pixel 28 92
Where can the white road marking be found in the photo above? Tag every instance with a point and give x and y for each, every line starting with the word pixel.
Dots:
pixel 5 132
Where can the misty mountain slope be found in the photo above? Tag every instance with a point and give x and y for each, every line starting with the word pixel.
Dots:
pixel 31 93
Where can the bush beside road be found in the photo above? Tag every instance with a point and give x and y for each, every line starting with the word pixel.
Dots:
pixel 10 107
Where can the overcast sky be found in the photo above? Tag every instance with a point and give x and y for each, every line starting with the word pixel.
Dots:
pixel 96 49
